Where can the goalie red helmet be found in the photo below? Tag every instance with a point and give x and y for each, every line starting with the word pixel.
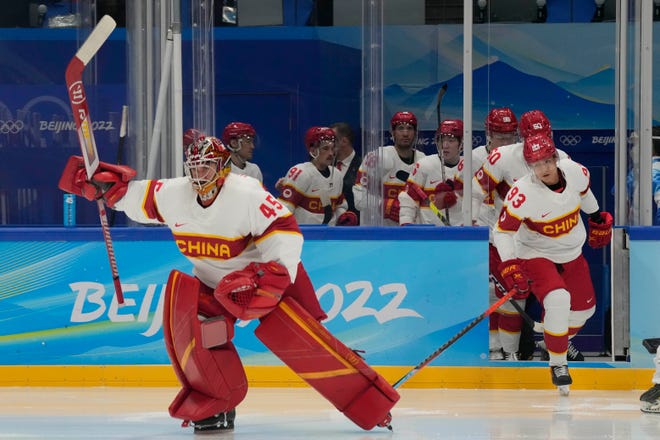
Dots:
pixel 236 130
pixel 315 135
pixel 207 165
pixel 501 120
pixel 533 122
pixel 538 147
pixel 403 118
pixel 451 127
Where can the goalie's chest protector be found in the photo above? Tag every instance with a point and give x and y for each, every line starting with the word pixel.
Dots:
pixel 325 363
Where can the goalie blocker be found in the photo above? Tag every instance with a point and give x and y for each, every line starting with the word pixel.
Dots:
pixel 212 375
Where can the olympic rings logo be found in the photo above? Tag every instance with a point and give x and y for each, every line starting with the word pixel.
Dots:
pixel 570 140
pixel 10 126
pixel 476 141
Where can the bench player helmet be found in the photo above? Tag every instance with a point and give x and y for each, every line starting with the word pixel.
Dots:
pixel 403 118
pixel 501 120
pixel 538 147
pixel 315 134
pixel 191 135
pixel 207 165
pixel 237 130
pixel 532 122
pixel 450 127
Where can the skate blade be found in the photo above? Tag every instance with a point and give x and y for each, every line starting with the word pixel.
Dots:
pixel 564 390
pixel 649 407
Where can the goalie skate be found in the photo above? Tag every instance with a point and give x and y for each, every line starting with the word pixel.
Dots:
pixel 561 378
pixel 219 422
pixel 650 400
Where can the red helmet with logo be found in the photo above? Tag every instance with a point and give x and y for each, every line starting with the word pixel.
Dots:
pixel 316 134
pixel 403 118
pixel 501 120
pixel 451 127
pixel 538 147
pixel 191 135
pixel 534 121
pixel 235 130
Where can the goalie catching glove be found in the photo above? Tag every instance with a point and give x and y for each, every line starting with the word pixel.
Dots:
pixel 515 277
pixel 109 182
pixel 600 229
pixel 253 291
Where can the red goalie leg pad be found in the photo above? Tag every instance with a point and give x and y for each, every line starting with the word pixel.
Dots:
pixel 325 363
pixel 213 380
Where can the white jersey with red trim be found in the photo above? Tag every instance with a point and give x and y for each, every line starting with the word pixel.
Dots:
pixel 537 222
pixel 497 174
pixel 426 175
pixel 307 192
pixel 393 175
pixel 484 212
pixel 244 224
pixel 251 169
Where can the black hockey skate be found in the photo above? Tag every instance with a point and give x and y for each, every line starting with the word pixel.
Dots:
pixel 561 378
pixel 650 400
pixel 572 353
pixel 219 422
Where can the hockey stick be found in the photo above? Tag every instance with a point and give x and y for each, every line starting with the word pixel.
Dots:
pixel 438 113
pixel 403 176
pixel 536 326
pixel 74 84
pixel 455 338
pixel 120 150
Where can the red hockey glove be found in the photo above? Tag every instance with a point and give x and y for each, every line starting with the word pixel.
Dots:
pixel 514 277
pixel 600 233
pixel 347 219
pixel 391 209
pixel 109 182
pixel 445 197
pixel 254 291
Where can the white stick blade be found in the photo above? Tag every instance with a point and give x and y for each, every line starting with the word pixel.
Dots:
pixel 96 39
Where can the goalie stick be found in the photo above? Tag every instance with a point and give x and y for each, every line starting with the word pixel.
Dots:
pixel 74 84
pixel 454 338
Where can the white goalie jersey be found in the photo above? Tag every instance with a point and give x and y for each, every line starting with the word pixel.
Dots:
pixel 244 224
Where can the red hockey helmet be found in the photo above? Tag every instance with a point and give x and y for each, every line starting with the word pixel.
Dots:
pixel 316 134
pixel 191 135
pixel 534 121
pixel 451 127
pixel 501 120
pixel 207 161
pixel 403 118
pixel 235 130
pixel 538 147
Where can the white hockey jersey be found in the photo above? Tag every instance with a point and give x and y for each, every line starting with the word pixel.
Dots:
pixel 536 222
pixel 309 194
pixel 426 175
pixel 251 169
pixel 393 175
pixel 497 174
pixel 244 224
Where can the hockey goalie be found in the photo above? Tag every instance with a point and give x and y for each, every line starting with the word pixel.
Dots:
pixel 245 248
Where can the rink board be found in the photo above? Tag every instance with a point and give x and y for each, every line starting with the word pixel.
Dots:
pixel 397 293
